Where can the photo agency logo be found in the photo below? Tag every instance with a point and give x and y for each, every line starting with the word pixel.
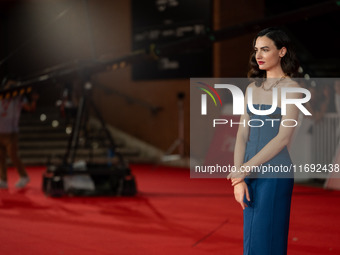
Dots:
pixel 238 104
pixel 204 97
pixel 216 105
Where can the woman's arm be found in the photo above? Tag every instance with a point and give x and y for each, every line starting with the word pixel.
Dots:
pixel 283 137
pixel 241 138
pixel 242 134
pixel 241 189
pixel 241 141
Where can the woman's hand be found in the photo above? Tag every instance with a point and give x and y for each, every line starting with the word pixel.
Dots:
pixel 239 190
pixel 235 181
pixel 237 176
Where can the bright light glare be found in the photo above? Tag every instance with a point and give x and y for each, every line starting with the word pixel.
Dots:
pixel 43 117
pixel 68 130
pixel 55 123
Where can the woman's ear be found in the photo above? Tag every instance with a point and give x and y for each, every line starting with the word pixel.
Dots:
pixel 282 52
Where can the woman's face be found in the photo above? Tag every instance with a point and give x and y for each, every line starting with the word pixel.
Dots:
pixel 266 54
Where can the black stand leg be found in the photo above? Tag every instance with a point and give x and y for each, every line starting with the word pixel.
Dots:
pixel 80 122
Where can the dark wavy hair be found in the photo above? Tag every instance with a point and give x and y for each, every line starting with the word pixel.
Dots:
pixel 289 62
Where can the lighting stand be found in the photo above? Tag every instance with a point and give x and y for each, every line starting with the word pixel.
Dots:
pixel 179 142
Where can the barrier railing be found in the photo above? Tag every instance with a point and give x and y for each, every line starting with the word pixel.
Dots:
pixel 325 138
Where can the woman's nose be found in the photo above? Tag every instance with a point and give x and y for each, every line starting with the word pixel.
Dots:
pixel 258 55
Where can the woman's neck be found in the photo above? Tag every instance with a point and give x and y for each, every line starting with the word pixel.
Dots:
pixel 276 73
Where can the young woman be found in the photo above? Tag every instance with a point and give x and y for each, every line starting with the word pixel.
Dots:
pixel 266 199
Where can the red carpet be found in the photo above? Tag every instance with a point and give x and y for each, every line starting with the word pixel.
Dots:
pixel 172 214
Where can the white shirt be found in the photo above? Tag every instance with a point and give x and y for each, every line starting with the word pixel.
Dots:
pixel 10 110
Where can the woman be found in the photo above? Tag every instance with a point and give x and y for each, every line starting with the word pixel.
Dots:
pixel 266 199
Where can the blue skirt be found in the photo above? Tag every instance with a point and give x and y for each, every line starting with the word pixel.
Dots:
pixel 266 219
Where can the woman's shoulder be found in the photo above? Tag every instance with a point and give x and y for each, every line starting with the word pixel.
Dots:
pixel 290 83
pixel 251 85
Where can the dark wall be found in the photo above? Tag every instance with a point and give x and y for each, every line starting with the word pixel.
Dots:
pixel 107 34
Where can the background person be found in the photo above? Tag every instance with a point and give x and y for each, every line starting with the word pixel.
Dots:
pixel 10 110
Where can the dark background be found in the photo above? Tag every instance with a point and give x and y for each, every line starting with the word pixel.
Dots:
pixel 36 35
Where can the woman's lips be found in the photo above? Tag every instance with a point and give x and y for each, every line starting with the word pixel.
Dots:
pixel 260 62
